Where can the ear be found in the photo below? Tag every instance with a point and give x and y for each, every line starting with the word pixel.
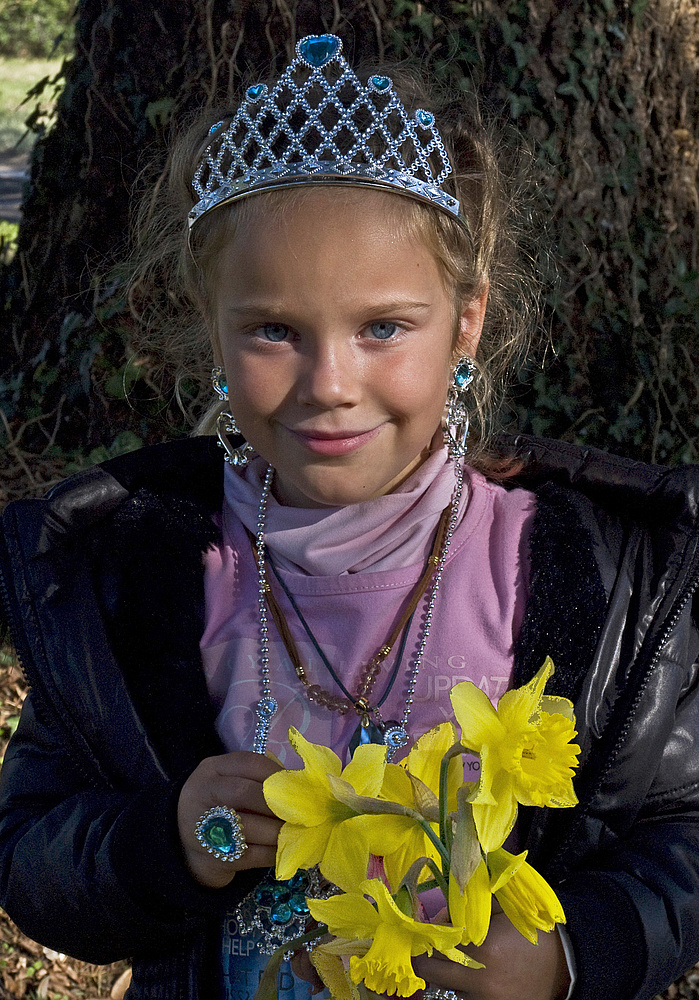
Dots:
pixel 471 324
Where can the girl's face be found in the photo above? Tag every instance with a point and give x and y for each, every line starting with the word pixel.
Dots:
pixel 336 334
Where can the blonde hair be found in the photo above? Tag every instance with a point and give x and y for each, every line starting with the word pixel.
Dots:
pixel 172 277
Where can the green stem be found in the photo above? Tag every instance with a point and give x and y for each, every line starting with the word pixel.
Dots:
pixel 439 879
pixel 431 883
pixel 443 853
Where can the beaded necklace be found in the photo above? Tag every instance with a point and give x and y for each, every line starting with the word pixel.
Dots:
pixel 394 734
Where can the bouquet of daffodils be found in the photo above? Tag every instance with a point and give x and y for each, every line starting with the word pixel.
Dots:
pixel 418 826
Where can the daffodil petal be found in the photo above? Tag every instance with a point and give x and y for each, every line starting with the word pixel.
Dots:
pixel 475 715
pixel 396 785
pixel 296 797
pixel 519 707
pixel 425 758
pixel 300 847
pixel 530 903
pixel 471 910
pixel 318 760
pixel 365 771
pixel 494 822
pixel 332 971
pixel 553 704
pixel 462 958
pixel 349 916
pixel 502 866
pixel 346 856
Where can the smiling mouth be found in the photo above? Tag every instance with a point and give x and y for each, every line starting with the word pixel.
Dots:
pixel 334 442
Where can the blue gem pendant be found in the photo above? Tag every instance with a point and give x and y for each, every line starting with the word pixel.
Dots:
pixel 317 51
pixel 456 421
pixel 265 709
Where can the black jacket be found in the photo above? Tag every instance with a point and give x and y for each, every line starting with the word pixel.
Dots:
pixel 103 588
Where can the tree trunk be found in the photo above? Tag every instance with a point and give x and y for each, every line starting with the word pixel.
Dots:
pixel 606 92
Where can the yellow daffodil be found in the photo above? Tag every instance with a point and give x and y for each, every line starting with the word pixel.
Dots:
pixel 399 839
pixel 388 938
pixel 470 911
pixel 525 895
pixel 525 751
pixel 314 818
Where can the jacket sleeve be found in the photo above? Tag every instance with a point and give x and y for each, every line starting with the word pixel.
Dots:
pixel 632 905
pixel 87 870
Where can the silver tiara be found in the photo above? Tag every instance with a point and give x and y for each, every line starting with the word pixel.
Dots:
pixel 320 124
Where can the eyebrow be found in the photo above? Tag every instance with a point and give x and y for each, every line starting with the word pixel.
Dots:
pixel 376 309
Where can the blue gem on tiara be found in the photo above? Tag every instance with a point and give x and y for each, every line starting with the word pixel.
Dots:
pixel 318 50
pixel 381 84
pixel 256 92
pixel 424 118
pixel 215 127
pixel 464 373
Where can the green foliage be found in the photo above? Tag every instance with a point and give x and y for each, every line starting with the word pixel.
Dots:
pixel 8 240
pixel 615 179
pixel 606 94
pixel 40 29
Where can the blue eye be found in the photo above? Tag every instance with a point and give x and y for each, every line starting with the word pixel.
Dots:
pixel 384 331
pixel 274 332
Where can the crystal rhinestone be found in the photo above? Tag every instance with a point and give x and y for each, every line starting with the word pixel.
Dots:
pixel 280 913
pixel 218 832
pixel 215 127
pixel 266 708
pixel 255 93
pixel 463 373
pixel 299 881
pixel 424 118
pixel 395 736
pixel 319 50
pixel 298 904
pixel 381 84
pixel 263 896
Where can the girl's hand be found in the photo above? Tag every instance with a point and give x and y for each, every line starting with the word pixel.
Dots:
pixel 514 968
pixel 233 780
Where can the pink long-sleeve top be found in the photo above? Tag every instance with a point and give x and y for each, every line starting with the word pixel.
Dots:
pixel 351 571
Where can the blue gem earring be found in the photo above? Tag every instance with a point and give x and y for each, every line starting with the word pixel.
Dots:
pixel 457 418
pixel 225 424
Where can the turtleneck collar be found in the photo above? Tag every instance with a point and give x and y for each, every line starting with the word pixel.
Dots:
pixel 387 533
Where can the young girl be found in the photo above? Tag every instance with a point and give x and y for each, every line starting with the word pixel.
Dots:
pixel 347 250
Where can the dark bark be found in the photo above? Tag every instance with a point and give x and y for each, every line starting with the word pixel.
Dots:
pixel 135 66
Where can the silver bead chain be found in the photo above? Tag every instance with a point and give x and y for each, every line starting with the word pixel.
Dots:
pixel 396 736
pixel 267 706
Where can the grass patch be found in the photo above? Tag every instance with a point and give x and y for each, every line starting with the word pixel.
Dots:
pixel 17 76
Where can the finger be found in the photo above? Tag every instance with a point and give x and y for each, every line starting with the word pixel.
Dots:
pixel 260 830
pixel 444 974
pixel 303 968
pixel 251 765
pixel 239 793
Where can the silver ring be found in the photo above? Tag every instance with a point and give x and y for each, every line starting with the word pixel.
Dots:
pixel 434 993
pixel 220 832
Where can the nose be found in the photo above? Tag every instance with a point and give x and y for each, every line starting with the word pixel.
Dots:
pixel 330 376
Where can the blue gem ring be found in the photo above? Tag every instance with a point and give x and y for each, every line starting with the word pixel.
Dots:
pixel 220 832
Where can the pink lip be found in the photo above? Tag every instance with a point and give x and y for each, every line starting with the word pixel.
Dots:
pixel 334 442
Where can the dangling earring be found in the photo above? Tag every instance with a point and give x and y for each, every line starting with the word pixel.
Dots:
pixel 225 424
pixel 457 418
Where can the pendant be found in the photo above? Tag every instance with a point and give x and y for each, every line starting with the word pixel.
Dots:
pixel 366 732
pixel 395 737
pixel 265 710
